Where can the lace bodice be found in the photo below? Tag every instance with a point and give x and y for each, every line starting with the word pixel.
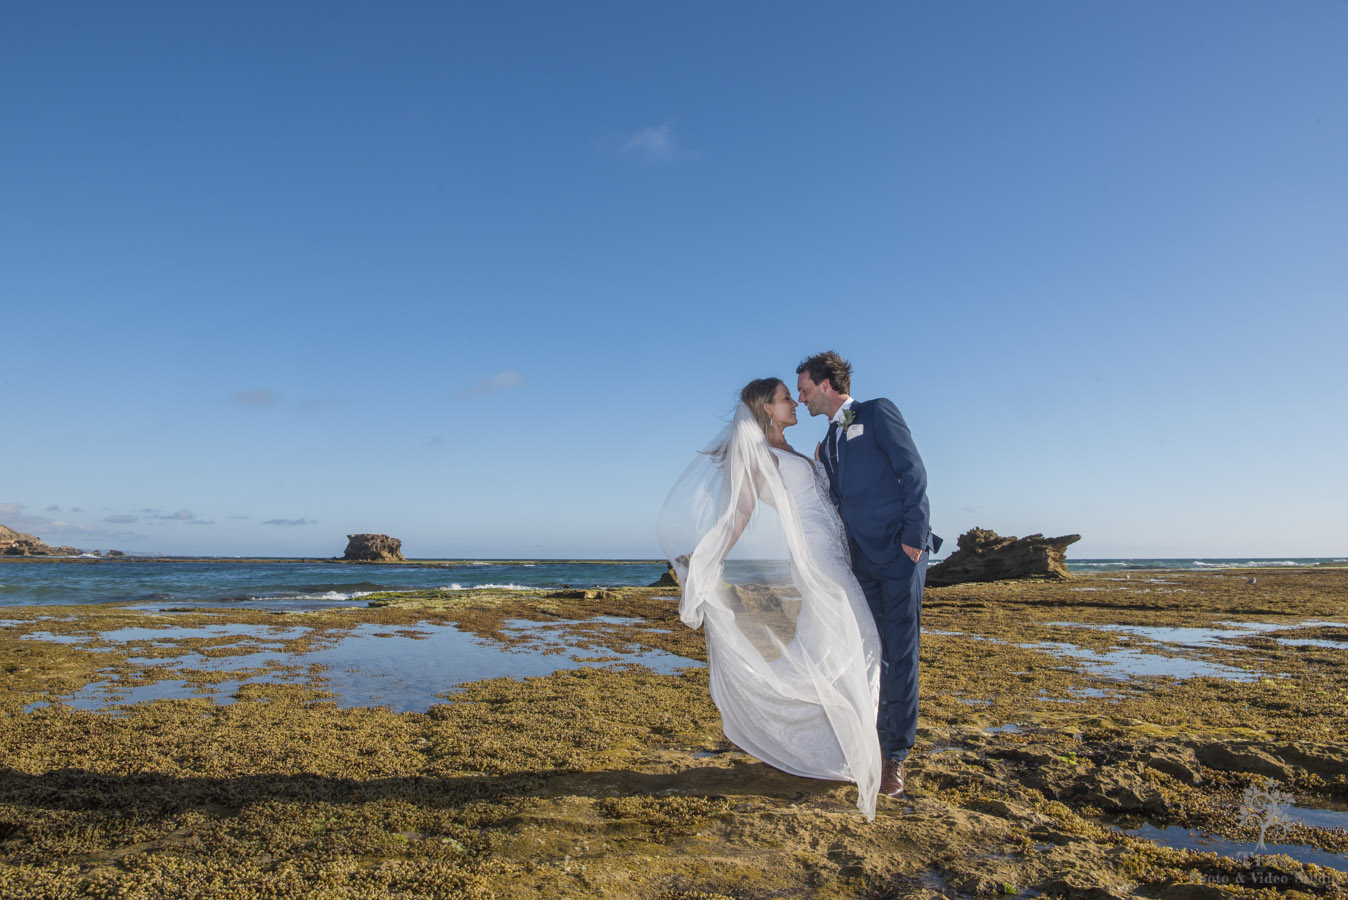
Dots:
pixel 808 485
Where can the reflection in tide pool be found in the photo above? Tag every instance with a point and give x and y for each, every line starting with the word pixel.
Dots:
pixel 367 665
pixel 406 673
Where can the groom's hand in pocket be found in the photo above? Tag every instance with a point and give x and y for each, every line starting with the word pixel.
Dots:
pixel 913 553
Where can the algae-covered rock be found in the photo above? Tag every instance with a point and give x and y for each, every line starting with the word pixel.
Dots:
pixel 1122 791
pixel 1181 765
pixel 1243 758
pixel 619 783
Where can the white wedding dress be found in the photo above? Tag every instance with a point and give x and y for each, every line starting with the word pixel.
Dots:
pixel 792 648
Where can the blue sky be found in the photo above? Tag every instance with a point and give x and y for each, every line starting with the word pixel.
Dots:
pixel 485 276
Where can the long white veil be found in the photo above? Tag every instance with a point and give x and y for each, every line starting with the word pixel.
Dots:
pixel 793 660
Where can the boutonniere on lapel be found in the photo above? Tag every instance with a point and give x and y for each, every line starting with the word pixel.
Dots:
pixel 848 417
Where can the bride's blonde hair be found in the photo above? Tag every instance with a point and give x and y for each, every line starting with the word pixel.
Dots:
pixel 756 395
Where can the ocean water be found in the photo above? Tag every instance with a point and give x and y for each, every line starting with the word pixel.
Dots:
pixel 1189 563
pixel 284 585
pixel 309 585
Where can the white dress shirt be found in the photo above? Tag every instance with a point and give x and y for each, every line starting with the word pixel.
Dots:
pixel 837 420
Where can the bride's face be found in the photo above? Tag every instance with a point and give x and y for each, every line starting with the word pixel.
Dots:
pixel 782 409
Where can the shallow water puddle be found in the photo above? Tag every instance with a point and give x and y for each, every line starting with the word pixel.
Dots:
pixel 367 665
pixel 1206 637
pixel 1325 814
pixel 1184 637
pixel 1313 642
pixel 1120 664
pixel 175 634
pixel 170 635
pixel 1133 662
pixel 1090 693
pixel 1179 838
pixel 407 673
pixel 104 695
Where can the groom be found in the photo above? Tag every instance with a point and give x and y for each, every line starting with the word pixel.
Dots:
pixel 880 488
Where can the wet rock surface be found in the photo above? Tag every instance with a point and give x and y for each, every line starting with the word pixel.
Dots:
pixel 669 579
pixel 1030 772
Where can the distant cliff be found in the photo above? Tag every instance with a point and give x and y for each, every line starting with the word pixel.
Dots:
pixel 16 543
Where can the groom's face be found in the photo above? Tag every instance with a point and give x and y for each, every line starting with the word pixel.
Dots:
pixel 814 396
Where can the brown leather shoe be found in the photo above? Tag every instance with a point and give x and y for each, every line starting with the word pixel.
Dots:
pixel 892 778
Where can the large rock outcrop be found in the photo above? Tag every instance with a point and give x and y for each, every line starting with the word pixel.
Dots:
pixel 16 543
pixel 373 548
pixel 984 555
pixel 670 578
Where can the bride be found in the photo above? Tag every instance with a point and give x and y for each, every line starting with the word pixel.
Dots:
pixel 793 650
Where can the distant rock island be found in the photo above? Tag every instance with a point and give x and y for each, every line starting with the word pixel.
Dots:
pixel 16 543
pixel 984 555
pixel 373 548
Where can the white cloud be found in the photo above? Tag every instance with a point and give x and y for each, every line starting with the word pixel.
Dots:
pixel 492 384
pixel 290 522
pixel 657 144
pixel 182 515
pixel 258 398
pixel 120 520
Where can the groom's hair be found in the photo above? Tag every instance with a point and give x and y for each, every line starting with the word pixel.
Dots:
pixel 831 366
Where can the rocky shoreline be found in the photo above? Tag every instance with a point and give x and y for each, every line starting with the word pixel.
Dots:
pixel 1047 738
pixel 17 544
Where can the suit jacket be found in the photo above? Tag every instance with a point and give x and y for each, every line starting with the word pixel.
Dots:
pixel 879 482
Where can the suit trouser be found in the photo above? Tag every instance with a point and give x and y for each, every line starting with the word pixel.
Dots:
pixel 893 590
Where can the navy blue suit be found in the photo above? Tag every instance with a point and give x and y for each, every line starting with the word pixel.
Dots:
pixel 880 487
